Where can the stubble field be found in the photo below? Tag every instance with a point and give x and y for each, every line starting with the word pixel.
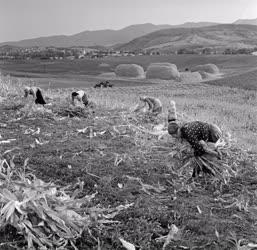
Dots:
pixel 109 153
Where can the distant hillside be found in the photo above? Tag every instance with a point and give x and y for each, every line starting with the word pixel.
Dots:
pixel 8 48
pixel 194 25
pixel 99 37
pixel 245 80
pixel 246 21
pixel 218 36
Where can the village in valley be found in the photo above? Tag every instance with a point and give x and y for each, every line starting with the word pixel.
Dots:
pixel 55 53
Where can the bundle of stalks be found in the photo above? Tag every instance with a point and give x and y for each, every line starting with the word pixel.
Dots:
pixel 46 215
pixel 220 166
pixel 71 111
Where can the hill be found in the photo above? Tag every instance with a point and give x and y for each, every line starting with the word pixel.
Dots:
pixel 218 36
pixel 246 21
pixel 99 37
pixel 246 80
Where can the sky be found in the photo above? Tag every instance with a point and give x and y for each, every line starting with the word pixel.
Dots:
pixel 24 19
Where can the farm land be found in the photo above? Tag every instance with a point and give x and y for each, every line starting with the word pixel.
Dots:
pixel 108 154
pixel 85 72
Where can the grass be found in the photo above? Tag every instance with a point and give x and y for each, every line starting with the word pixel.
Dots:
pixel 124 165
pixel 10 86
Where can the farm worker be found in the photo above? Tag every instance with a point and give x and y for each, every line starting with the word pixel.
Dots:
pixel 81 96
pixel 197 133
pixel 154 105
pixel 36 93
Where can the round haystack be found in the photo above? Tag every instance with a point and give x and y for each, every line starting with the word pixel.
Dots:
pixel 130 70
pixel 190 76
pixel 208 68
pixel 163 71
pixel 205 75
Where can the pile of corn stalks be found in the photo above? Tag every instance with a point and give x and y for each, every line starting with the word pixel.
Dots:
pixel 45 214
pixel 223 167
pixel 68 110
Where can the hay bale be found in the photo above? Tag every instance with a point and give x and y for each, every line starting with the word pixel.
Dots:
pixel 164 71
pixel 130 70
pixel 205 75
pixel 208 68
pixel 190 77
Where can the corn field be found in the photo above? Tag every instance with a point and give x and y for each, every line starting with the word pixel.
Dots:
pixel 106 178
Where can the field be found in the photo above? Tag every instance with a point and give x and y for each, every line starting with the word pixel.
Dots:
pixel 85 72
pixel 109 152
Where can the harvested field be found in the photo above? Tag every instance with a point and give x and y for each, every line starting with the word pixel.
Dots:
pixel 67 68
pixel 124 165
pixel 86 73
pixel 121 159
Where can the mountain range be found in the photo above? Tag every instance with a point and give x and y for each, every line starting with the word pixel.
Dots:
pixel 100 37
pixel 219 36
pixel 113 37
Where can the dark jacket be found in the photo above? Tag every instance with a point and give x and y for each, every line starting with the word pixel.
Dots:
pixel 196 131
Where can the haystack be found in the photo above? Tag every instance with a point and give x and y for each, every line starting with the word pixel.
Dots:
pixel 205 75
pixel 130 70
pixel 208 68
pixel 190 77
pixel 164 71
